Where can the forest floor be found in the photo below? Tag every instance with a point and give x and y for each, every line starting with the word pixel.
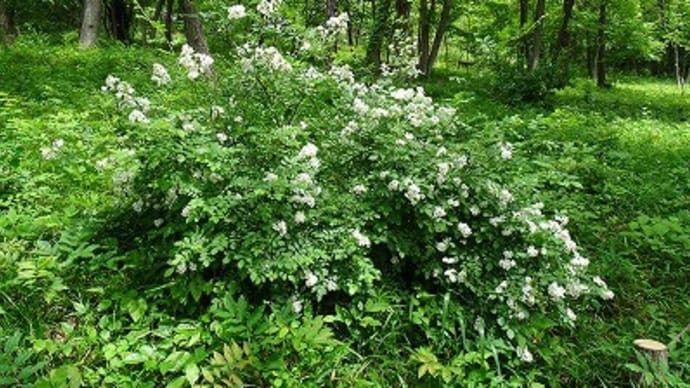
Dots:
pixel 616 161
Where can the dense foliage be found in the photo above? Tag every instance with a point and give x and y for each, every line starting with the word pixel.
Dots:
pixel 276 212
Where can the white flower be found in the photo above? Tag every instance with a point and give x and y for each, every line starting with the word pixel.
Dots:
pixel 160 75
pixel 501 287
pixel 362 240
pixel 304 179
pixel 507 264
pixel 297 306
pixel 452 275
pixel 524 354
pixel 359 189
pixel 464 229
pixel 236 12
pixel 439 212
pixel 607 295
pixel 599 281
pixel 403 94
pixel 270 177
pixel 308 151
pixel 394 185
pixel 570 314
pixel 217 112
pixel 506 196
pixel 449 260
pixel 281 228
pixel 311 280
pixel 138 206
pixel 442 246
pixel 48 153
pixel 508 254
pixel 158 222
pixel 300 218
pixel 556 291
pixel 506 150
pixel 532 251
pixel 185 211
pixel 331 285
pixel 475 211
pixel 268 7
pixel 138 116
pixel 414 194
pixel 579 261
pixel 222 138
pixel 102 164
pixel 58 143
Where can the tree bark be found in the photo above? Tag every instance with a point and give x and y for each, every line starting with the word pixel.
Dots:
pixel 680 80
pixel 193 28
pixel 524 16
pixel 563 40
pixel 90 23
pixel 601 46
pixel 443 24
pixel 378 33
pixel 8 29
pixel 423 37
pixel 169 5
pixel 330 8
pixel 120 14
pixel 537 40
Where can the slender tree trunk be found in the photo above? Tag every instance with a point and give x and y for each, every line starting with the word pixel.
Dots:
pixel 378 33
pixel 8 29
pixel 330 8
pixel 524 45
pixel 90 22
pixel 601 46
pixel 537 40
pixel 120 15
pixel 193 28
pixel 423 37
pixel 169 5
pixel 443 24
pixel 563 40
pixel 679 72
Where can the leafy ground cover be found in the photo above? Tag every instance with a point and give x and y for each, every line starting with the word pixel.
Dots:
pixel 85 297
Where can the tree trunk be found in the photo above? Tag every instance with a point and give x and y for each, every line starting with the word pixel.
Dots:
pixel 90 22
pixel 601 46
pixel 8 29
pixel 680 80
pixel 169 5
pixel 120 15
pixel 443 24
pixel 537 43
pixel 330 8
pixel 193 28
pixel 423 38
pixel 524 45
pixel 378 33
pixel 563 40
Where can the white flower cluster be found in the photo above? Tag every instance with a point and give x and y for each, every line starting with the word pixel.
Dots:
pixel 334 26
pixel 362 240
pixel 49 153
pixel 404 63
pixel 160 75
pixel 236 12
pixel 263 58
pixel 125 94
pixel 197 64
pixel 268 8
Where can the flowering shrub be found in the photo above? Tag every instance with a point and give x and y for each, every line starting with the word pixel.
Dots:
pixel 306 183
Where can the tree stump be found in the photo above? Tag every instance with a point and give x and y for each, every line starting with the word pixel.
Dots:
pixel 656 353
